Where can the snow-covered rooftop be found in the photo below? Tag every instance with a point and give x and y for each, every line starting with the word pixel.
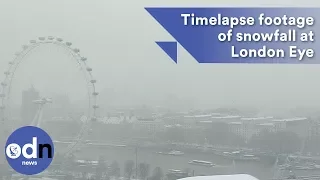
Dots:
pixel 222 177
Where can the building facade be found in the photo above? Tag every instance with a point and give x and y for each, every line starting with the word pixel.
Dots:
pixel 247 127
pixel 300 126
pixel 149 124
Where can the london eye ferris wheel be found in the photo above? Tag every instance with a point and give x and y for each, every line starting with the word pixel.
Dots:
pixel 6 86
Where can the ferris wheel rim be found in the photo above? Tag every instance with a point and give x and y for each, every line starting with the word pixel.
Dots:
pixel 35 45
pixel 75 53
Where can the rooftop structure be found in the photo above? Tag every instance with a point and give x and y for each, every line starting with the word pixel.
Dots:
pixel 291 119
pixel 256 118
pixel 222 177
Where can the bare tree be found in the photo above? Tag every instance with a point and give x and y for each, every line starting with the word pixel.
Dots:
pixel 68 177
pixel 188 171
pixel 107 177
pixel 70 163
pixel 157 174
pixel 144 170
pixel 128 168
pixel 101 168
pixel 114 169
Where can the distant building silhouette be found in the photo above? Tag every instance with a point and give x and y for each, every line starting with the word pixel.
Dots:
pixel 28 108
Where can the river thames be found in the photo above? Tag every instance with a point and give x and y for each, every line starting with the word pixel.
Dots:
pixel 122 154
pixel 150 156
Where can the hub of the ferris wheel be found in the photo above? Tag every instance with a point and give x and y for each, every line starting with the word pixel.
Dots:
pixel 43 101
pixel 38 117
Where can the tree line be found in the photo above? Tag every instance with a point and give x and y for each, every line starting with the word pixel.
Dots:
pixel 105 171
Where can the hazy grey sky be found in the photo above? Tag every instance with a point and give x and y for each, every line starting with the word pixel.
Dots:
pixel 118 38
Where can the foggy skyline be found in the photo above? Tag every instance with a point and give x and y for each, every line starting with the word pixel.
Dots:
pixel 126 61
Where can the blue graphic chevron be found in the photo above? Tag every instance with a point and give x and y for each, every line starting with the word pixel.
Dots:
pixel 170 48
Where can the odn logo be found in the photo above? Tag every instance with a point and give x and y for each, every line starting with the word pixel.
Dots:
pixel 29 150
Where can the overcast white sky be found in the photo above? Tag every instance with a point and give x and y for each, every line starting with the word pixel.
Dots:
pixel 118 38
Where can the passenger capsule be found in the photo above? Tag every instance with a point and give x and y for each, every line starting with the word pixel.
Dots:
pixel 42 38
pixel 68 43
pixel 3 84
pixel 24 47
pixel 11 62
pixel 95 106
pixel 93 119
pixel 83 58
pixel 93 81
pixel 59 39
pixel 95 93
pixel 33 41
pixel 51 38
pixel 7 73
pixel 76 50
pixel 89 69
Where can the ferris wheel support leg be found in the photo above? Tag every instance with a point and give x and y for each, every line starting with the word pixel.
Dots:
pixel 39 118
pixel 34 121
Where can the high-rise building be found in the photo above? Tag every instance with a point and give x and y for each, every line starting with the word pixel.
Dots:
pixel 28 108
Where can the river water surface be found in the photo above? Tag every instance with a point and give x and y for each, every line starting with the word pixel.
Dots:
pixel 122 154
